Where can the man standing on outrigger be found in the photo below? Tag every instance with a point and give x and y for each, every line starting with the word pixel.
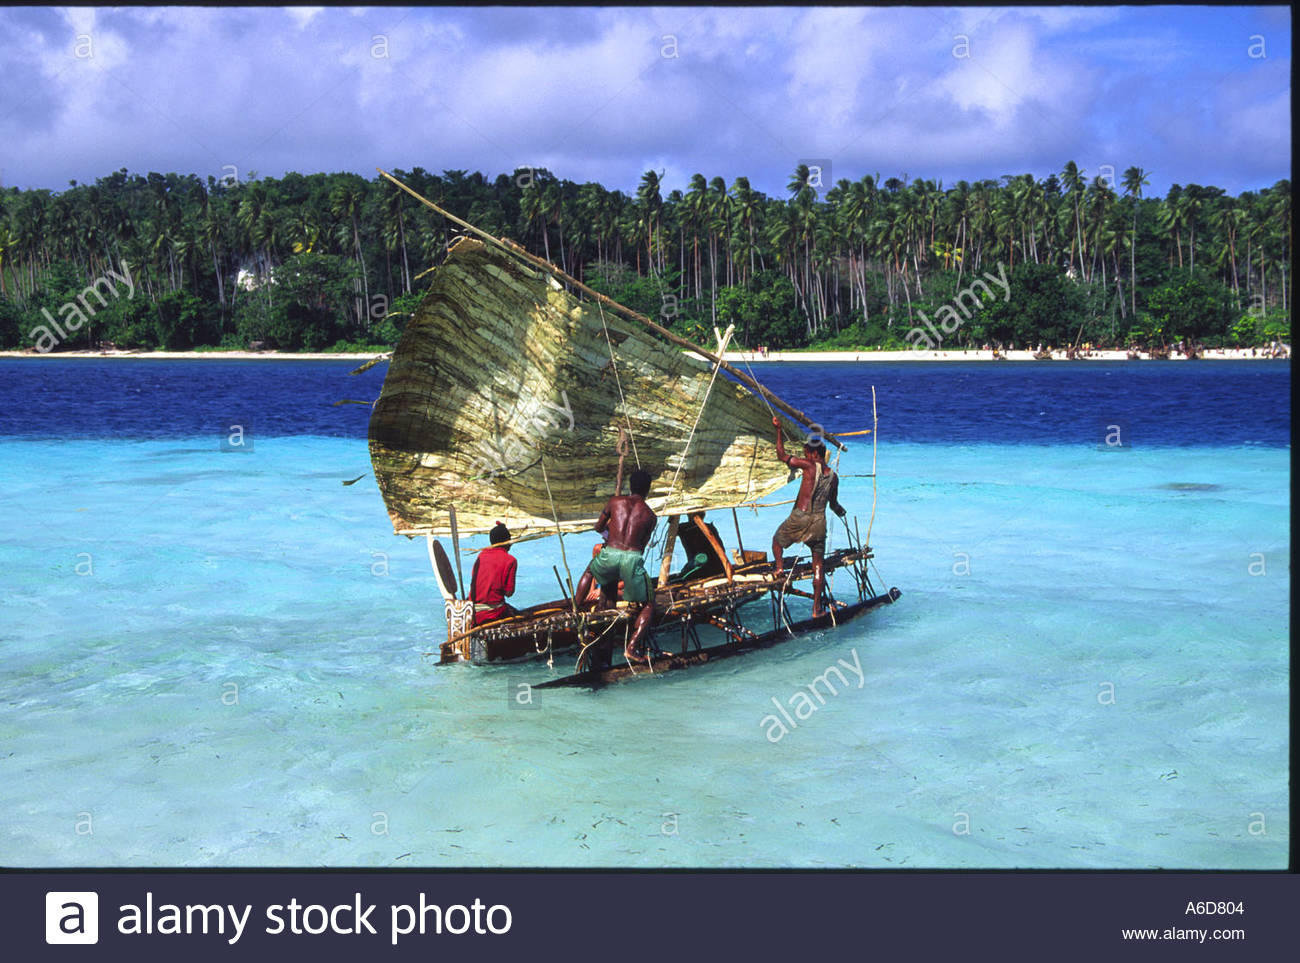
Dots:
pixel 630 522
pixel 807 522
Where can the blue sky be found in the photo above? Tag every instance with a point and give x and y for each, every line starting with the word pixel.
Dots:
pixel 1191 94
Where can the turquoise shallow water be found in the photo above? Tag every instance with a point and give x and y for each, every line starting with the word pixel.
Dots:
pixel 215 659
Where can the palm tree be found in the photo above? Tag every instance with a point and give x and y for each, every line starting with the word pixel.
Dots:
pixel 720 225
pixel 747 205
pixel 7 243
pixel 256 220
pixel 651 204
pixel 957 209
pixel 1279 223
pixel 1135 178
pixel 394 228
pixel 1173 218
pixel 533 210
pixel 859 208
pixel 1191 202
pixel 346 202
pixel 1100 200
pixel 212 228
pixel 695 204
pixel 554 201
pixel 1227 218
pixel 803 222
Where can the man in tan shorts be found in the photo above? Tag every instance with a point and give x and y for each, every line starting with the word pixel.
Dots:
pixel 807 522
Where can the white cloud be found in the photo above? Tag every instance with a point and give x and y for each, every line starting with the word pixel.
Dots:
pixel 304 15
pixel 587 93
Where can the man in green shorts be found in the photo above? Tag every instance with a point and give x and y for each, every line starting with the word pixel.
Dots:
pixel 630 523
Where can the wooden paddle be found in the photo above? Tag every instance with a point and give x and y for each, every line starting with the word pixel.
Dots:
pixel 442 568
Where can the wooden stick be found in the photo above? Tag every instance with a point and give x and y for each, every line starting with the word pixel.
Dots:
pixel 875 423
pixel 669 543
pixel 757 505
pixel 455 548
pixel 560 582
pixel 739 544
pixel 613 305
pixel 622 454
pixel 698 519
pixel 563 555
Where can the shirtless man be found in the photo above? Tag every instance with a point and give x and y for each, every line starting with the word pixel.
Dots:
pixel 807 522
pixel 630 522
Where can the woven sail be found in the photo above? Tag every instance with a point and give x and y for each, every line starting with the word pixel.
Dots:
pixel 503 385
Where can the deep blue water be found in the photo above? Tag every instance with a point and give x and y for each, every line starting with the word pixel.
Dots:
pixel 1209 403
pixel 1212 403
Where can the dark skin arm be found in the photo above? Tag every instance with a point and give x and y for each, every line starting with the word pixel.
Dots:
pixel 834 502
pixel 803 501
pixel 809 468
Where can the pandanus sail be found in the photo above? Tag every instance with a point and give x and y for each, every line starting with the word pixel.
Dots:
pixel 506 395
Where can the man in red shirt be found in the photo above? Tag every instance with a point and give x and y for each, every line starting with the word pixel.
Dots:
pixel 493 578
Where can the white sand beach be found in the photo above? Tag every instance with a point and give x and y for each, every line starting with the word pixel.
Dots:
pixel 198 355
pixel 1210 354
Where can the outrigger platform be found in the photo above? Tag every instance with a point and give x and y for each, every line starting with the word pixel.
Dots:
pixel 518 394
pixel 683 607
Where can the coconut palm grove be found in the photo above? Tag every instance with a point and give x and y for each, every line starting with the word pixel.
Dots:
pixel 320 262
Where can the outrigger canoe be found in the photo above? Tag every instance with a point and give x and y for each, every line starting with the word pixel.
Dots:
pixel 518 394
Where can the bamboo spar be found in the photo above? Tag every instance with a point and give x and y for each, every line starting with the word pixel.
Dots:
pixel 627 312
pixel 875 424
pixel 670 542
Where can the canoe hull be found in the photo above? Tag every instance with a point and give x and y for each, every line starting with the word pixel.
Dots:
pixel 670 661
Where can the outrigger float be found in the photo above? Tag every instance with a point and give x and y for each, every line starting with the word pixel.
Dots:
pixel 517 394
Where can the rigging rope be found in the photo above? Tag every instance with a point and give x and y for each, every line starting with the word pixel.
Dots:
pixel 563 556
pixel 588 645
pixel 759 393
pixel 722 346
pixel 614 364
